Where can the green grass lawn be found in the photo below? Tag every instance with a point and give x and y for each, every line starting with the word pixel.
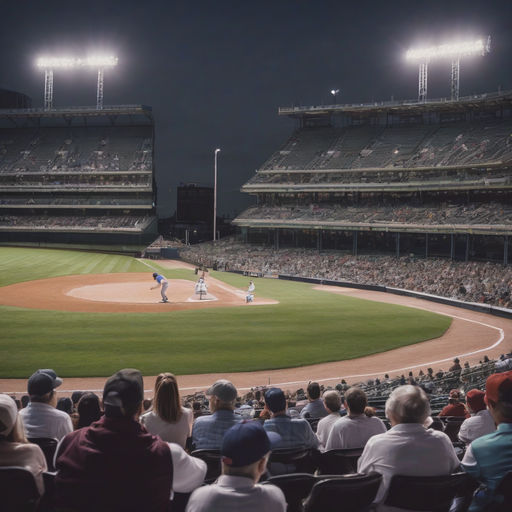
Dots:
pixel 306 327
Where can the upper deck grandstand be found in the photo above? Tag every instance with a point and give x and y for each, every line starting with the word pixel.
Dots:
pixel 439 167
pixel 77 175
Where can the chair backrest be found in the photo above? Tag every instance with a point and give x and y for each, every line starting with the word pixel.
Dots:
pixel 504 490
pixel 452 427
pixel 339 462
pixel 48 445
pixel 427 493
pixel 295 487
pixel 350 493
pixel 18 489
pixel 213 463
pixel 437 424
pixel 294 461
pixel 313 423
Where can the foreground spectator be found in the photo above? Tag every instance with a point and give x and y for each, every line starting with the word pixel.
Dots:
pixel 208 431
pixel 88 409
pixel 115 464
pixel 40 417
pixel 481 422
pixel 295 433
pixel 245 451
pixel 455 407
pixel 407 448
pixel 315 406
pixel 354 429
pixel 15 450
pixel 168 419
pixel 489 458
pixel 332 403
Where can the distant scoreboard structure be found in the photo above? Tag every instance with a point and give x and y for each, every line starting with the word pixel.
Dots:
pixel 78 175
pixel 432 178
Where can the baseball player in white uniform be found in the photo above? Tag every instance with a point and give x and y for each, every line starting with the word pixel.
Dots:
pixel 201 288
pixel 250 292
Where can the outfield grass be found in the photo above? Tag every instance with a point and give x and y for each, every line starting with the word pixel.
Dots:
pixel 306 327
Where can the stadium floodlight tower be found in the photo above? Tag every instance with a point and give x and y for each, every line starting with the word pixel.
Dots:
pixel 453 51
pixel 100 62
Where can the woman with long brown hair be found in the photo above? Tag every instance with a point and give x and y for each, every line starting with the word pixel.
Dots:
pixel 168 419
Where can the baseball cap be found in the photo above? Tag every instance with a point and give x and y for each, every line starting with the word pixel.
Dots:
pixel 498 387
pixel 455 393
pixel 42 382
pixel 8 414
pixel 245 443
pixel 124 389
pixel 475 400
pixel 275 399
pixel 223 390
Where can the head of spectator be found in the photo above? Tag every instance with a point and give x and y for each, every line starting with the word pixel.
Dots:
pixel 370 411
pixel 166 402
pixel 407 404
pixel 275 401
pixel 332 401
pixel 498 397
pixel 245 450
pixel 65 404
pixel 11 426
pixel 475 400
pixel 313 391
pixel 355 401
pixel 123 394
pixel 89 410
pixel 25 399
pixel 41 387
pixel 75 397
pixel 222 396
pixel 454 396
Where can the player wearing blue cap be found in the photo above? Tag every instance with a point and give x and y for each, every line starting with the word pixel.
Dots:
pixel 161 281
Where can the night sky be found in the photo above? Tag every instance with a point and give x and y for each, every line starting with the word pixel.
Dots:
pixel 215 72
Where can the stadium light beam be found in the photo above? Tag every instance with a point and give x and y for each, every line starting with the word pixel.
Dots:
pixel 217 151
pixel 100 62
pixel 453 51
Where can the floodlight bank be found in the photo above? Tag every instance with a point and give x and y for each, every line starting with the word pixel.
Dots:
pixel 96 61
pixel 478 47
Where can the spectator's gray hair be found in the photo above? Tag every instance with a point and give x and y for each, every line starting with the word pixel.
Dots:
pixel 408 404
pixel 332 400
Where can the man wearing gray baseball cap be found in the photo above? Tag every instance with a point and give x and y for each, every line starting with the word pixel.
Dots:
pixel 40 417
pixel 208 431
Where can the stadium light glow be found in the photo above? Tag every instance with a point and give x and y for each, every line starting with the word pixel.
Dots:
pixel 452 50
pixel 93 61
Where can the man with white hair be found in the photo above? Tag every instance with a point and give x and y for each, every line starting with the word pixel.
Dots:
pixel 408 448
pixel 332 403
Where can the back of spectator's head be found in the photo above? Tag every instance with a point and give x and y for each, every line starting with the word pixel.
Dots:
pixel 275 400
pixel 332 400
pixel 65 404
pixel 313 390
pixel 123 393
pixel 167 404
pixel 25 399
pixel 475 400
pixel 88 409
pixel 498 395
pixel 454 395
pixel 244 446
pixel 222 395
pixel 408 404
pixel 75 397
pixel 11 427
pixel 356 400
pixel 41 385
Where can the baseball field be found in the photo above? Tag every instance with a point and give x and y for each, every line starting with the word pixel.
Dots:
pixel 290 324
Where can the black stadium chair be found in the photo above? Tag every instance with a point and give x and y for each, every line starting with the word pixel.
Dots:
pixel 503 495
pixel 295 487
pixel 213 461
pixel 339 462
pixel 452 427
pixel 48 445
pixel 347 493
pixel 18 490
pixel 425 493
pixel 292 461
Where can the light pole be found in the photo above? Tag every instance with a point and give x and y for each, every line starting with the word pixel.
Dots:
pixel 335 93
pixel 215 198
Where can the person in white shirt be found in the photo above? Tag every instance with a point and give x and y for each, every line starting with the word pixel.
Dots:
pixel 332 403
pixel 354 429
pixel 408 448
pixel 245 451
pixel 40 417
pixel 481 422
pixel 168 419
pixel 250 292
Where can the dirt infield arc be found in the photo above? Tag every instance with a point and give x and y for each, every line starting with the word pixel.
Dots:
pixel 470 336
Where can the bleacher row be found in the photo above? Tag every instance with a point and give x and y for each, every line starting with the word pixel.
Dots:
pixel 76 149
pixel 406 146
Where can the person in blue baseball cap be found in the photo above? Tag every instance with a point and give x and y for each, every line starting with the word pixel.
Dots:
pixel 245 450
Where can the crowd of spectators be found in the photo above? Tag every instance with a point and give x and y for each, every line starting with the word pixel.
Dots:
pixel 488 283
pixel 111 455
